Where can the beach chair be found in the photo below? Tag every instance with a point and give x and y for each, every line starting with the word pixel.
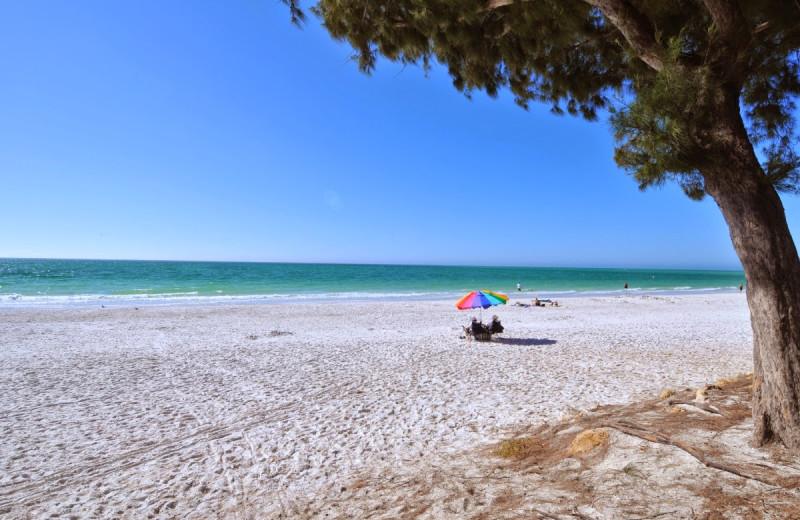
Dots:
pixel 495 328
pixel 481 336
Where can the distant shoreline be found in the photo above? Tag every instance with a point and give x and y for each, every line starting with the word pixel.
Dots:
pixel 64 283
pixel 123 301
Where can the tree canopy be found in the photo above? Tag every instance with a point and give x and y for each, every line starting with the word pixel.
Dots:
pixel 656 66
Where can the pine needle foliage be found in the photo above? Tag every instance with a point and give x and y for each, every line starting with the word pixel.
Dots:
pixel 657 67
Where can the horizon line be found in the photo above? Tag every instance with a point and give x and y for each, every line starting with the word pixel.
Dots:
pixel 522 266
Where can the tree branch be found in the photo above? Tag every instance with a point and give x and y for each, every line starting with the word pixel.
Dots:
pixel 761 28
pixel 633 25
pixel 728 19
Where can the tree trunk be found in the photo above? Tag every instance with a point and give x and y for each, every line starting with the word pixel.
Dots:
pixel 755 215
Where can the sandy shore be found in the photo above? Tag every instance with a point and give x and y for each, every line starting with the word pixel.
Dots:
pixel 269 411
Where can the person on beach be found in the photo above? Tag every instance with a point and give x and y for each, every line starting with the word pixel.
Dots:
pixel 519 286
pixel 477 327
pixel 741 286
pixel 538 303
pixel 495 327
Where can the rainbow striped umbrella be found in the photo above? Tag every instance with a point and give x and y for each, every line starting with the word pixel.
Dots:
pixel 481 299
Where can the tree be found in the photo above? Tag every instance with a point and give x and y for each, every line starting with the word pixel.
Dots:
pixel 692 87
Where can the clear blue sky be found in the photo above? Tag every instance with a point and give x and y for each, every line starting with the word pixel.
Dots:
pixel 219 131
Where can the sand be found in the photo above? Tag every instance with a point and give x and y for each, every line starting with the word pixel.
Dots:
pixel 273 411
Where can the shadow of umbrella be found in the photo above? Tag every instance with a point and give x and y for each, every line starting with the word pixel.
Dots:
pixel 524 341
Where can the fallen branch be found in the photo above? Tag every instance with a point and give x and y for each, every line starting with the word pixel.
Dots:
pixel 703 406
pixel 641 432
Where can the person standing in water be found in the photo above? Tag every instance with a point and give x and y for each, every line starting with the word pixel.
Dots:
pixel 519 286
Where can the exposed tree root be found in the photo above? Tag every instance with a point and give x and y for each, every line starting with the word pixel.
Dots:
pixel 542 477
pixel 641 432
pixel 703 406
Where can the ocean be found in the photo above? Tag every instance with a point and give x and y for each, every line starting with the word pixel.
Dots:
pixel 57 283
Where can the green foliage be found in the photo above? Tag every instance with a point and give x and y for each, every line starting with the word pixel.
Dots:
pixel 631 470
pixel 298 16
pixel 662 133
pixel 579 60
pixel 556 53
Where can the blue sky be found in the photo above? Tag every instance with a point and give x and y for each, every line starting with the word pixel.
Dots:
pixel 219 131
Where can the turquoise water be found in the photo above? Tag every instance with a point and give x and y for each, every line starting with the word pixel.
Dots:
pixel 35 282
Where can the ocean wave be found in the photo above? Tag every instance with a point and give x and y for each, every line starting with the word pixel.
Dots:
pixel 194 298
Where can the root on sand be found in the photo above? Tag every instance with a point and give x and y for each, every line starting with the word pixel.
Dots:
pixel 684 455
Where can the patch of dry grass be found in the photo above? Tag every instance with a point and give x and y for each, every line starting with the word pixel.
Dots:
pixel 516 449
pixel 588 440
pixel 666 394
pixel 725 381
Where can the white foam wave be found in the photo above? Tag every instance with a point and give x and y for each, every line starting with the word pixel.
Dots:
pixel 194 298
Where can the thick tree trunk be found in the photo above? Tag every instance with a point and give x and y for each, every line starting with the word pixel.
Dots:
pixel 762 240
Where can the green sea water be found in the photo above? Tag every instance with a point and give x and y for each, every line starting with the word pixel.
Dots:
pixel 47 282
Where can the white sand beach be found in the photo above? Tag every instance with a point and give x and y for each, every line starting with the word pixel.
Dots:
pixel 271 411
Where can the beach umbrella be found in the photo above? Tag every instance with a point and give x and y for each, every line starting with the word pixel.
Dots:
pixel 481 300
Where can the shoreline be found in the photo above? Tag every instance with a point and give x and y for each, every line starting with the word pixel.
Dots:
pixel 263 410
pixel 64 302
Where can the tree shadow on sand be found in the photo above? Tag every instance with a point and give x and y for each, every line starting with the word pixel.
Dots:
pixel 524 341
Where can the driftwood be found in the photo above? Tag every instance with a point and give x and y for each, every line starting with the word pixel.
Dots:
pixel 703 406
